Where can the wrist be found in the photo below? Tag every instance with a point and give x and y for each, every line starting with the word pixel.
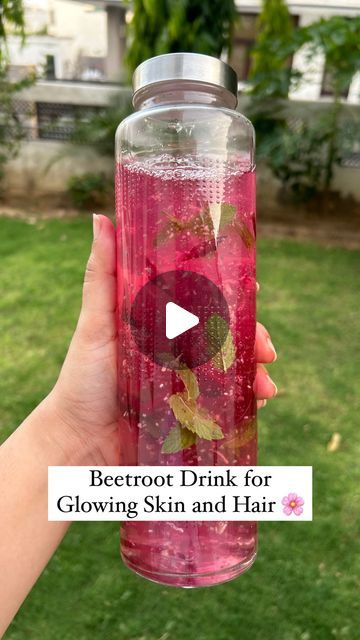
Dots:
pixel 57 438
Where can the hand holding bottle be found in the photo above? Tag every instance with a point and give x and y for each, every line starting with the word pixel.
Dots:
pixel 84 396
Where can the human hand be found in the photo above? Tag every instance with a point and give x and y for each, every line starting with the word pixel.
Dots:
pixel 84 398
pixel 85 395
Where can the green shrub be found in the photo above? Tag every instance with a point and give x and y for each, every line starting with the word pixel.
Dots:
pixel 90 190
pixel 296 157
pixel 11 129
pixel 302 155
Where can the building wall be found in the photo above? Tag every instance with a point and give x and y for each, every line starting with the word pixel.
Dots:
pixel 83 23
pixel 77 31
pixel 325 8
pixel 32 57
pixel 70 31
pixel 43 168
pixel 36 14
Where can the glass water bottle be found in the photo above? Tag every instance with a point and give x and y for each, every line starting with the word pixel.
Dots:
pixel 185 198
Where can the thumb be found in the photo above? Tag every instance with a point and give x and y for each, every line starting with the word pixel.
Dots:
pixel 97 318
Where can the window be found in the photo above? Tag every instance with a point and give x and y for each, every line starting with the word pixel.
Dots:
pixel 327 86
pixel 243 42
pixel 50 67
pixel 244 39
pixel 58 121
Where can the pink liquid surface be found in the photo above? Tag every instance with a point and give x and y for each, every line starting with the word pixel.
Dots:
pixel 186 553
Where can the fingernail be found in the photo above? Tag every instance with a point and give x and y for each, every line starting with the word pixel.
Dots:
pixel 261 404
pixel 96 225
pixel 271 346
pixel 273 384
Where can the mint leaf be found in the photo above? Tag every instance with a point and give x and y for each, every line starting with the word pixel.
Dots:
pixel 172 227
pixel 182 408
pixel 222 214
pixel 195 418
pixel 243 437
pixel 206 224
pixel 188 377
pixel 177 439
pixel 225 357
pixel 245 234
pixel 213 219
pixel 205 427
pixel 228 212
pixel 220 342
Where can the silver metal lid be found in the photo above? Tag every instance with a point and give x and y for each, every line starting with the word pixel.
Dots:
pixel 188 67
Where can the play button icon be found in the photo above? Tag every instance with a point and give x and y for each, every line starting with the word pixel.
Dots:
pixel 175 319
pixel 178 320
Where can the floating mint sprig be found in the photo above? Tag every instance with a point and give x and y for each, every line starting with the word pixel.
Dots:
pixel 194 418
pixel 245 234
pixel 171 228
pixel 181 437
pixel 220 342
pixel 177 439
pixel 206 224
pixel 241 438
pixel 222 215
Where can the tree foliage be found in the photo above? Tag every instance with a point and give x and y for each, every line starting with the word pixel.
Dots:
pixel 302 154
pixel 338 39
pixel 167 26
pixel 11 18
pixel 271 72
pixel 90 190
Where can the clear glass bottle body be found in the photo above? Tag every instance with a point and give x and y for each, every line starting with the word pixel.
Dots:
pixel 185 197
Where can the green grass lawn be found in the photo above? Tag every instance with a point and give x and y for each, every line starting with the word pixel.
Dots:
pixel 302 586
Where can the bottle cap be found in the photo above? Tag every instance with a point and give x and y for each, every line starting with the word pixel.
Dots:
pixel 188 67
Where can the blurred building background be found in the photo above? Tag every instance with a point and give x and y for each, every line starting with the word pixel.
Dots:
pixel 77 50
pixel 71 40
pixel 85 41
pixel 315 80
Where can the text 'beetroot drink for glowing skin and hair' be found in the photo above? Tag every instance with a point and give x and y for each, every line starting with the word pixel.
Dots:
pixel 185 189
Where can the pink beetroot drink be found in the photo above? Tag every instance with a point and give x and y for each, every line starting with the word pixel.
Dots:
pixel 185 193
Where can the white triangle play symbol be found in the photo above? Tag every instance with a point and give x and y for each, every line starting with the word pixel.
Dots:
pixel 178 320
